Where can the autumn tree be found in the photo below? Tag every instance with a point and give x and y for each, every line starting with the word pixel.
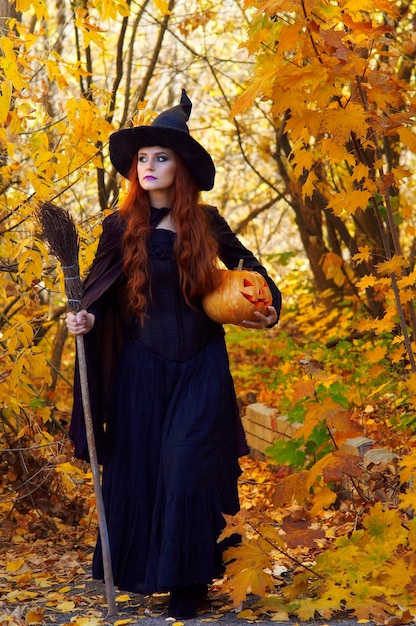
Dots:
pixel 336 84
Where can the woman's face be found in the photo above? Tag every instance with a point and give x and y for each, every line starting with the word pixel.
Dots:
pixel 156 168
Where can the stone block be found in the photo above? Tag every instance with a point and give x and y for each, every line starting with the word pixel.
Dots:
pixel 357 445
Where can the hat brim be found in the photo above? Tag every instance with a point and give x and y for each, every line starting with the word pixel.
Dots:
pixel 125 143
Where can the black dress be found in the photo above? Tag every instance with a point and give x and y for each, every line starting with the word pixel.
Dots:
pixel 170 465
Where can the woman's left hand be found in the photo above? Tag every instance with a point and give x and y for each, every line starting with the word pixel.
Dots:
pixel 261 320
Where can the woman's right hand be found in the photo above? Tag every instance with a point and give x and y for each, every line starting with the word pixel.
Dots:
pixel 79 323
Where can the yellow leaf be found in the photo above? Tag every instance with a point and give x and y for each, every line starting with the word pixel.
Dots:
pixel 412 534
pixel 362 255
pixel 246 614
pixel 303 160
pixel 339 122
pixel 322 500
pixel 407 281
pixel 121 622
pixel 69 468
pixel 308 186
pixel 411 383
pixel 162 6
pixel 392 266
pixel 123 598
pixel 349 202
pixel 367 281
pixel 279 616
pixel 66 607
pixel 397 354
pixel 86 621
pixel 5 100
pixel 14 566
pixel 21 595
pixel 376 354
pixel 336 152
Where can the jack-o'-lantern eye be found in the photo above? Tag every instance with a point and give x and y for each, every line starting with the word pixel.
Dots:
pixel 255 293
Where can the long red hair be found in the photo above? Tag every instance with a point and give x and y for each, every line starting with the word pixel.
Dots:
pixel 195 249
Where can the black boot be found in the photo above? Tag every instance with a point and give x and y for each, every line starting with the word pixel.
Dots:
pixel 184 601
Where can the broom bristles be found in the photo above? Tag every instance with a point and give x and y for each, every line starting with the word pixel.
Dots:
pixel 60 232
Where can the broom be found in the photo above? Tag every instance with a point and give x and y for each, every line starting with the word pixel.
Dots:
pixel 61 234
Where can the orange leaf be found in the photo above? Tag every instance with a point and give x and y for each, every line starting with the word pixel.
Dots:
pixel 302 389
pixel 235 524
pixel 299 533
pixel 291 488
pixel 339 465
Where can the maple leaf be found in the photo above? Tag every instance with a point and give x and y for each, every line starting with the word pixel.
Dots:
pixel 323 498
pixel 342 426
pixel 400 570
pixel 392 266
pixel 306 609
pixel 308 186
pixel 349 202
pixel 247 566
pixel 336 152
pixel 397 355
pixel 338 122
pixel 302 389
pixel 412 534
pixel 408 464
pixel 408 137
pixel 299 533
pixel 363 255
pixel 303 160
pixel 245 581
pixel 316 414
pixel 339 465
pixel 162 6
pixel 411 382
pixel 385 526
pixel 408 280
pixel 291 488
pixel 367 281
pixel 376 354
pixel 334 41
pixel 234 524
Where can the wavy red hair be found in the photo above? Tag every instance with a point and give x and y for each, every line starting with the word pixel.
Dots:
pixel 195 249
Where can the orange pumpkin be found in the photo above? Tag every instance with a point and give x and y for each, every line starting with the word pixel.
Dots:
pixel 240 293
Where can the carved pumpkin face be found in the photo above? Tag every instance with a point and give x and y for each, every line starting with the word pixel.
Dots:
pixel 240 293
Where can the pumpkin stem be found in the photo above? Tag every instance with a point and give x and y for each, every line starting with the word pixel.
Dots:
pixel 240 264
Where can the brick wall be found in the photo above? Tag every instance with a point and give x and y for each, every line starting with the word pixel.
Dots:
pixel 263 425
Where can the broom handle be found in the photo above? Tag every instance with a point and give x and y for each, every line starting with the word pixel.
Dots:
pixel 102 523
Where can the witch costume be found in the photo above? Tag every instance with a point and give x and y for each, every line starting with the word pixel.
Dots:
pixel 166 421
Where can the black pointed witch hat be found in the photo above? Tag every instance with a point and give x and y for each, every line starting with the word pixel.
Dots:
pixel 168 130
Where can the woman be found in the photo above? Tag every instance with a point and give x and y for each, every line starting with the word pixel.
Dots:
pixel 158 368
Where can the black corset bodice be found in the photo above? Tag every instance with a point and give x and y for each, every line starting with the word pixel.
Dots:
pixel 171 328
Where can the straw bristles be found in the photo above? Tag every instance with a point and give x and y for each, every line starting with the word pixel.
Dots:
pixel 60 232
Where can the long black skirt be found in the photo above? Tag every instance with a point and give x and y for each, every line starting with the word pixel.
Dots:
pixel 171 469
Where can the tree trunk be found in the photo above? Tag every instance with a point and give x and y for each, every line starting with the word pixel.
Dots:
pixel 7 12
